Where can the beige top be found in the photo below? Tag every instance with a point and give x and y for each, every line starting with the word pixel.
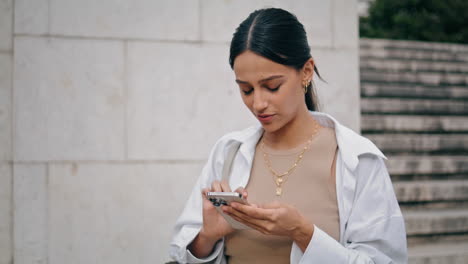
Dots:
pixel 310 188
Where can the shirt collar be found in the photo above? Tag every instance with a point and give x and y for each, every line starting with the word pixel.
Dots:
pixel 350 144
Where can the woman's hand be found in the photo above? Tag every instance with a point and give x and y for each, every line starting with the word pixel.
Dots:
pixel 214 225
pixel 274 219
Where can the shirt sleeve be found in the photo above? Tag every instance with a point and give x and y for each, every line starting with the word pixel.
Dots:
pixel 217 253
pixel 190 221
pixel 375 230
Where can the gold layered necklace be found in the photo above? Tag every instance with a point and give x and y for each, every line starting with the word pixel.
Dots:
pixel 280 178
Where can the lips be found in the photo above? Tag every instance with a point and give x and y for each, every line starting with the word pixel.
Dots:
pixel 264 117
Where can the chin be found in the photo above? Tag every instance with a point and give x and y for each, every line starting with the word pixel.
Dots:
pixel 270 128
pixel 276 126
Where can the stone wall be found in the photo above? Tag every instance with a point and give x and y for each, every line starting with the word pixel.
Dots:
pixel 108 110
pixel 6 134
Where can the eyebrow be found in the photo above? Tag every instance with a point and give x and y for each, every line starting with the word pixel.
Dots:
pixel 262 80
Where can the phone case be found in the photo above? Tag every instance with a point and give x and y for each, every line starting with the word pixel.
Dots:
pixel 226 199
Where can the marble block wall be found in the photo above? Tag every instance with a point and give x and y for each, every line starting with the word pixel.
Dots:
pixel 6 134
pixel 108 110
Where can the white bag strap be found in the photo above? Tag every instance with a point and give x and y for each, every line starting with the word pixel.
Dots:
pixel 229 160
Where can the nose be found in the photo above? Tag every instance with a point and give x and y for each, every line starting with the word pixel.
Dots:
pixel 260 101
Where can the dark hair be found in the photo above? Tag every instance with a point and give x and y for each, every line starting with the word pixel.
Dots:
pixel 277 35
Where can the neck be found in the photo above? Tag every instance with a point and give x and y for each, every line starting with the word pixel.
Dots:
pixel 294 133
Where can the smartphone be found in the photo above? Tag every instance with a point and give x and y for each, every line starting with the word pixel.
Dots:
pixel 226 198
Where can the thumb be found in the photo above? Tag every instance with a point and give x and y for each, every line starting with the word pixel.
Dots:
pixel 204 192
pixel 242 191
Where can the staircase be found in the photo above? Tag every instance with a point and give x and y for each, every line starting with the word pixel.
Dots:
pixel 415 109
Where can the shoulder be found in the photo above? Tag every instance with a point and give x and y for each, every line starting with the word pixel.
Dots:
pixel 346 137
pixel 241 136
pixel 246 136
pixel 354 148
pixel 360 143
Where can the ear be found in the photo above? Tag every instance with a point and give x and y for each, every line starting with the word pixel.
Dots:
pixel 308 70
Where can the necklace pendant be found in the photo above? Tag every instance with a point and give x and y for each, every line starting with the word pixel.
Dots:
pixel 279 191
pixel 279 181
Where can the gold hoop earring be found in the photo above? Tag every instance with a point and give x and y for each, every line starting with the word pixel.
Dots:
pixel 305 87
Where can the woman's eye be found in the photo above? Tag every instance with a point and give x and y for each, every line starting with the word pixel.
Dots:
pixel 271 90
pixel 274 89
pixel 247 92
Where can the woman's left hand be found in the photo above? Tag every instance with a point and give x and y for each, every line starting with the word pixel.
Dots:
pixel 274 219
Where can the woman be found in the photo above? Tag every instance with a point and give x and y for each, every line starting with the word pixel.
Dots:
pixel 317 191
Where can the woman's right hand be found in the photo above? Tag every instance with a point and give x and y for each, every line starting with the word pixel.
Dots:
pixel 214 224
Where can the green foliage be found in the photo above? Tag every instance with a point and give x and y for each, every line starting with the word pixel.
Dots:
pixel 428 20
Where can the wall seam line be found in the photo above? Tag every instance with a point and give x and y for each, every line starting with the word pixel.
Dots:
pixel 12 76
pixel 332 23
pixel 126 77
pixel 107 38
pixel 48 17
pixel 150 41
pixel 12 135
pixel 12 214
pixel 200 27
pixel 135 161
pixel 47 212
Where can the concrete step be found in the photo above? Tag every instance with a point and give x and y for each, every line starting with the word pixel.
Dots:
pixel 446 253
pixel 420 143
pixel 414 241
pixel 413 106
pixel 433 205
pixel 440 221
pixel 431 191
pixel 397 65
pixel 367 43
pixel 423 78
pixel 413 54
pixel 414 123
pixel 412 91
pixel 412 164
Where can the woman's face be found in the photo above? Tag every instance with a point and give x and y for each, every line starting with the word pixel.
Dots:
pixel 273 92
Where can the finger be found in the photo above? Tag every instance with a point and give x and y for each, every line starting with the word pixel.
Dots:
pixel 216 186
pixel 205 191
pixel 225 186
pixel 257 224
pixel 254 212
pixel 242 191
pixel 233 212
pixel 206 202
pixel 252 225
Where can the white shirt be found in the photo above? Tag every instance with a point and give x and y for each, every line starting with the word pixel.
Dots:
pixel 372 228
